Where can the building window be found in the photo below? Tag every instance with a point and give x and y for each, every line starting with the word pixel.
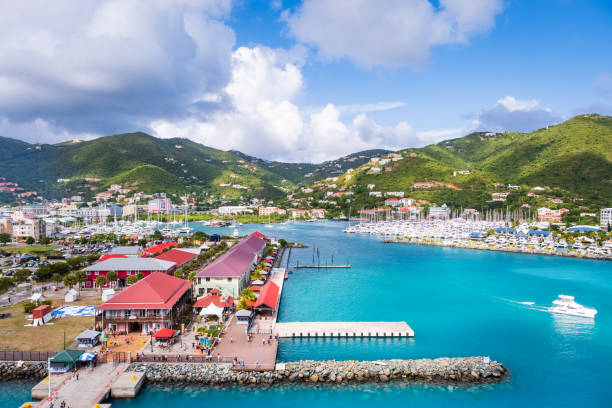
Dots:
pixel 199 280
pixel 156 312
pixel 207 279
pixel 229 279
pixel 142 313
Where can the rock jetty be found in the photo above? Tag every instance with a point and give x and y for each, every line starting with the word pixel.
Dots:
pixel 13 370
pixel 463 370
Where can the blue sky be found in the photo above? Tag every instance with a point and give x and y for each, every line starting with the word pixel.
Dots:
pixel 315 79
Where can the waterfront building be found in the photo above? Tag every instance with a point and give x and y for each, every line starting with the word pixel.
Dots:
pixel 160 205
pixel 159 248
pixel 230 273
pixel 392 202
pixel 267 301
pixel 605 218
pixel 180 257
pixel 262 211
pixel 125 267
pixel 299 213
pixel 125 250
pixel 233 209
pixel 548 215
pixel 155 302
pixel 439 212
pixel 27 227
pixel 317 213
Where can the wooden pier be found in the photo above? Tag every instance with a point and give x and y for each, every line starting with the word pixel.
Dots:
pixel 320 266
pixel 343 329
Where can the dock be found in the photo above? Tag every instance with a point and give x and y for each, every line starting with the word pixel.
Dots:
pixel 92 387
pixel 343 329
pixel 320 266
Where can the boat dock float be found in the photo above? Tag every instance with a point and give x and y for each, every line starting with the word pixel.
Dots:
pixel 320 266
pixel 343 329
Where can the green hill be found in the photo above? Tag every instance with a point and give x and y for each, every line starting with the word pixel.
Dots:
pixel 573 160
pixel 134 159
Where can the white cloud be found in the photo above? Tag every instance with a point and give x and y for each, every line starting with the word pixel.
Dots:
pixel 263 120
pixel 389 33
pixel 511 114
pixel 40 131
pixel 110 65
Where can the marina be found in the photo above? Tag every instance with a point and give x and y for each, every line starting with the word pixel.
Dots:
pixel 343 329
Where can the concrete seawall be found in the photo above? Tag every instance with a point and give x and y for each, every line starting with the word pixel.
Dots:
pixel 463 370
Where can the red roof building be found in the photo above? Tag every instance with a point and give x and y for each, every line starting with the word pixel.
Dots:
pixel 177 256
pixel 109 256
pixel 258 235
pixel 217 300
pixel 268 297
pixel 155 302
pixel 157 249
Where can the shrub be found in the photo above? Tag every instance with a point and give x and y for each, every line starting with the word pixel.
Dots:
pixel 29 306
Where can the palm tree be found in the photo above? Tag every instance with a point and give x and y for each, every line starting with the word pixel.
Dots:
pixel 81 277
pixel 70 280
pixel 132 279
pixel 112 276
pixel 101 281
pixel 140 275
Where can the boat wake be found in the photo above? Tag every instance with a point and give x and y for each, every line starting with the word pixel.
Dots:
pixel 526 304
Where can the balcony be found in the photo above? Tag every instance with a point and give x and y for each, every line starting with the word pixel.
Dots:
pixel 134 319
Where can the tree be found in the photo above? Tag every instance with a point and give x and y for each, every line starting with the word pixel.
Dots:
pixel 132 279
pixel 140 275
pixel 282 242
pixel 192 276
pixel 56 277
pixel 112 276
pixel 81 277
pixel 101 281
pixel 30 240
pixel 4 238
pixel 21 275
pixel 70 280
pixel 178 273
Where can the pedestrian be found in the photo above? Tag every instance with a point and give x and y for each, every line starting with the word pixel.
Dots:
pixel 77 376
pixel 263 342
pixel 231 339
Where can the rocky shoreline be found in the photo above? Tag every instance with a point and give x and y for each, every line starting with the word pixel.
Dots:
pixel 13 370
pixel 461 370
pixel 502 249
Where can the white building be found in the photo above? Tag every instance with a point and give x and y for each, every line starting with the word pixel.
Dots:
pixel 233 209
pixel 605 218
pixel 439 212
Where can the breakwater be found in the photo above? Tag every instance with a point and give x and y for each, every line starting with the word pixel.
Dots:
pixel 502 249
pixel 461 370
pixel 14 370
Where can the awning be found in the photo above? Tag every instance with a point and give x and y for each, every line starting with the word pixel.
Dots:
pixel 67 356
pixel 211 310
pixel 88 335
pixel 164 333
pixel 87 357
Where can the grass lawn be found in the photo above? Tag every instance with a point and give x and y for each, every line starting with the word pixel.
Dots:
pixel 28 249
pixel 15 336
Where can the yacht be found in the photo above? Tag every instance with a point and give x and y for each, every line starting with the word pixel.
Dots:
pixel 236 234
pixel 566 305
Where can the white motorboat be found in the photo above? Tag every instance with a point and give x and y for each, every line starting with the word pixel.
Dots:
pixel 236 234
pixel 566 305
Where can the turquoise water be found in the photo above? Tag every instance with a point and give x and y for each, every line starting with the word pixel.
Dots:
pixel 459 303
pixel 14 393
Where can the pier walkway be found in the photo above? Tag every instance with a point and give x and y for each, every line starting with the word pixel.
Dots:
pixel 92 387
pixel 343 329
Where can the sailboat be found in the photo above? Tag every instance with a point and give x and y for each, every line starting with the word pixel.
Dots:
pixel 185 229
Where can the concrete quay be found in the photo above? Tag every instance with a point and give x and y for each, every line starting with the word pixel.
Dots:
pixel 91 387
pixel 343 329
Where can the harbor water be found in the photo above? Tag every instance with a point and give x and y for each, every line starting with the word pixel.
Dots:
pixel 459 303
